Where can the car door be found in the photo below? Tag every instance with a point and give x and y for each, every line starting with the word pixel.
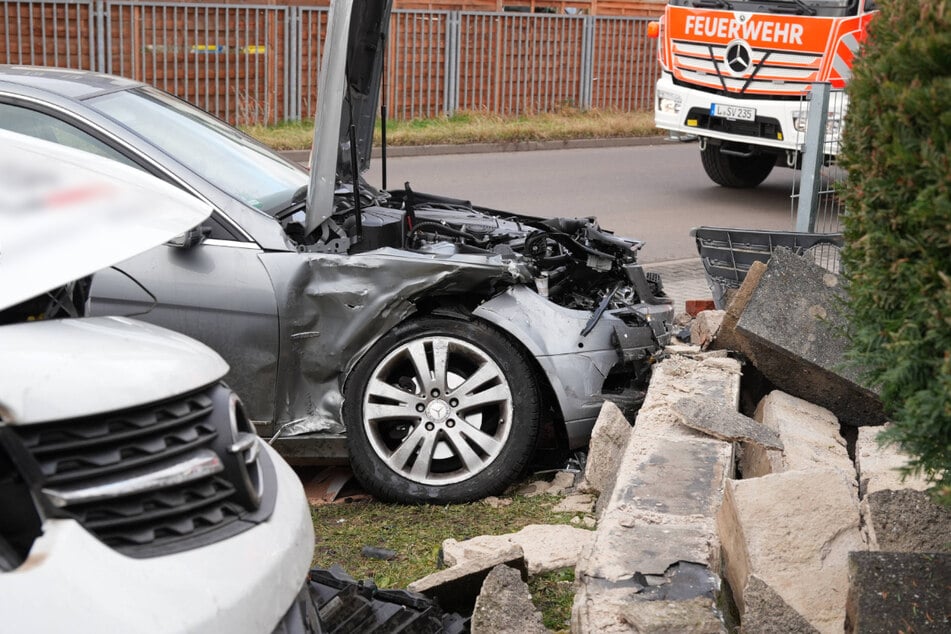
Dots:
pixel 214 289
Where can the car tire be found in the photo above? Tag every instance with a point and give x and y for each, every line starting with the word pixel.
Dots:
pixel 740 172
pixel 441 410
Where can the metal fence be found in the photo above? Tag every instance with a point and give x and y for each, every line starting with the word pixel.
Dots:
pixel 259 63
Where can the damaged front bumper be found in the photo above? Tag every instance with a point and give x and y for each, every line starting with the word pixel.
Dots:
pixel 578 353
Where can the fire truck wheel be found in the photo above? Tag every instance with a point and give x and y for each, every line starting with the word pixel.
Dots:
pixel 741 172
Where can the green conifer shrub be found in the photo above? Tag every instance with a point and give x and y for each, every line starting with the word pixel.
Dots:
pixel 897 226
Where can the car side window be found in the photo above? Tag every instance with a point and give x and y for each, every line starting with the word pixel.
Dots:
pixel 45 126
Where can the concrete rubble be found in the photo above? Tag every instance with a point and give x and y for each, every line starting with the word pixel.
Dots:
pixel 788 529
pixel 793 531
pixel 457 587
pixel 787 320
pixel 545 547
pixel 659 515
pixel 505 605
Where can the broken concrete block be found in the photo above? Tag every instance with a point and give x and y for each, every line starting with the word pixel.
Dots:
pixel 640 607
pixel 608 441
pixel 792 329
pixel 457 587
pixel 704 328
pixel 562 482
pixel 793 531
pixel 766 612
pixel 906 521
pixel 716 379
pixel 660 511
pixel 809 433
pixel 726 335
pixel 578 503
pixel 880 466
pixel 545 547
pixel 505 605
pixel 724 422
pixel 898 592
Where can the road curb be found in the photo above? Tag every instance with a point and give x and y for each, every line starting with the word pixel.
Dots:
pixel 302 156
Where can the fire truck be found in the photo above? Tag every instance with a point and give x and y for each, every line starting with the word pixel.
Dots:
pixel 736 74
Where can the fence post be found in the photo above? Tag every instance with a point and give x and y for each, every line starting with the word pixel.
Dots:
pixel 292 51
pixel 451 85
pixel 100 31
pixel 813 157
pixel 587 62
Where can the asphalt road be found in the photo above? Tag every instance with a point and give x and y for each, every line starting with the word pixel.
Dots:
pixel 655 193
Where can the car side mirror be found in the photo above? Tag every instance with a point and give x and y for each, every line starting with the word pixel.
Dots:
pixel 191 238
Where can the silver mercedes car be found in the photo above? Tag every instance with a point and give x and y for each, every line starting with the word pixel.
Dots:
pixel 435 344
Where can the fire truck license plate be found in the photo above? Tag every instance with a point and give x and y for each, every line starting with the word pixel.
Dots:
pixel 732 112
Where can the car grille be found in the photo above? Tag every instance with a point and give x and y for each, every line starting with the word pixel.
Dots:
pixel 145 481
pixel 771 74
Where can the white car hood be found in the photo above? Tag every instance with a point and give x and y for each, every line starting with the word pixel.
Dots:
pixel 65 214
pixel 109 363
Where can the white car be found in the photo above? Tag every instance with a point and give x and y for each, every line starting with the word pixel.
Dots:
pixel 135 495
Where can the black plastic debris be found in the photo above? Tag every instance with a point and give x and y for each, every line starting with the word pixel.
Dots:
pixel 373 552
pixel 346 605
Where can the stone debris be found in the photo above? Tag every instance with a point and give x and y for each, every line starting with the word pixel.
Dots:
pixel 561 483
pixel 724 422
pixel 496 502
pixel 457 587
pixel 505 605
pixel 879 466
pixel 789 324
pixel 793 531
pixel 545 547
pixel 906 520
pixel 705 327
pixel 809 433
pixel 608 441
pixel 578 503
pixel 670 481
pixel 898 592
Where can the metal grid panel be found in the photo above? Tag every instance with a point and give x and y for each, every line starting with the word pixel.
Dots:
pixel 48 33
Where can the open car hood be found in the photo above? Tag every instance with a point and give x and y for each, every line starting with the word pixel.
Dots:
pixel 348 94
pixel 66 213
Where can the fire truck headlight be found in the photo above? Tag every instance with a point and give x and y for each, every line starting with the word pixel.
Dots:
pixel 668 102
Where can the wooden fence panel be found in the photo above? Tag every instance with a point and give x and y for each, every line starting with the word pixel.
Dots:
pixel 46 34
pixel 227 60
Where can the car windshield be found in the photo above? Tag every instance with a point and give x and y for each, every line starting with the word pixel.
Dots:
pixel 215 151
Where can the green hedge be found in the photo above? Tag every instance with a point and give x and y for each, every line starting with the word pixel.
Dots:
pixel 898 225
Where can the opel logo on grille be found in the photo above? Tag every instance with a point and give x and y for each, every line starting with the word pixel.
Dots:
pixel 738 57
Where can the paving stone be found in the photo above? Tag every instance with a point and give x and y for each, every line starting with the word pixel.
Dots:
pixel 505 605
pixel 793 531
pixel 724 422
pixel 899 592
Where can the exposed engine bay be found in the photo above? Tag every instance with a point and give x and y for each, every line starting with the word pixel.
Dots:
pixel 571 261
